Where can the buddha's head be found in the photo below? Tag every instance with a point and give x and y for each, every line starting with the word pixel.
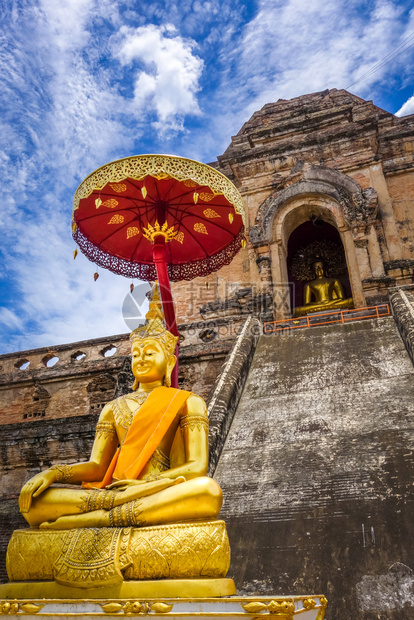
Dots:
pixel 152 347
pixel 318 268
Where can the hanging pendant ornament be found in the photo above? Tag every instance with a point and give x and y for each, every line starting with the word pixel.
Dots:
pixel 95 276
pixel 131 287
pixel 75 253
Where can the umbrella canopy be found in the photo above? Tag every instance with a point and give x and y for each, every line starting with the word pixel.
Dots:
pixel 121 208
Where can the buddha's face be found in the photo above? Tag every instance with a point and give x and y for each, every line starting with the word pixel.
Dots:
pixel 319 269
pixel 149 362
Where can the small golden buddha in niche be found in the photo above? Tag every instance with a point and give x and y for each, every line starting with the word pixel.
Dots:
pixel 149 459
pixel 323 293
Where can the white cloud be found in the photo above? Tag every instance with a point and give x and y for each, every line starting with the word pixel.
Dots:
pixel 83 125
pixel 299 46
pixel 59 297
pixel 10 319
pixel 170 81
pixel 295 47
pixel 407 108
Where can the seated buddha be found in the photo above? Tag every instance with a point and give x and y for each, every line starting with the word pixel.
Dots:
pixel 149 458
pixel 322 293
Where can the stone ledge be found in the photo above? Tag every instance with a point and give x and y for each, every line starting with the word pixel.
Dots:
pixel 308 607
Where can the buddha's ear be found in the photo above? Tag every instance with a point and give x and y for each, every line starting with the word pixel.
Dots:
pixel 170 365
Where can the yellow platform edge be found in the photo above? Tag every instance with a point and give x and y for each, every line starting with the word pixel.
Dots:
pixel 160 588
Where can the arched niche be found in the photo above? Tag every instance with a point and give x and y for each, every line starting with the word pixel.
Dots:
pixel 289 216
pixel 314 230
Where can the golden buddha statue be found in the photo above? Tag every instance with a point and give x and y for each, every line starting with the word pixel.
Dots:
pixel 323 293
pixel 157 475
pixel 140 516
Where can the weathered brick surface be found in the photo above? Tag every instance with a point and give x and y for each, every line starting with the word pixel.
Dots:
pixel 338 131
pixel 27 448
pixel 317 468
pixel 74 387
pixel 228 388
pixel 402 304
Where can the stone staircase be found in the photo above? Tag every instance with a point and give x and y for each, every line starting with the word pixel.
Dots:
pixel 317 469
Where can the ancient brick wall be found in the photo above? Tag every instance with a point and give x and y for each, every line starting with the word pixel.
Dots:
pixel 85 374
pixel 317 470
pixel 80 382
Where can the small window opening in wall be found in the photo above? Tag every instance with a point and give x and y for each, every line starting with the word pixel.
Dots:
pixel 109 351
pixel 24 416
pixel 78 356
pixel 22 364
pixel 50 360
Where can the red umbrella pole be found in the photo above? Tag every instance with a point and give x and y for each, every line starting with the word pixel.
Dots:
pixel 160 260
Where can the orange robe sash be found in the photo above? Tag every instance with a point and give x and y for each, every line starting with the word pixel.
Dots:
pixel 143 437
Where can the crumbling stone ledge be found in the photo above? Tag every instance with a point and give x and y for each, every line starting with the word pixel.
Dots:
pixel 402 305
pixel 228 387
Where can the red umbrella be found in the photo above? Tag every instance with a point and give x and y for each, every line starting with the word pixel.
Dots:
pixel 159 216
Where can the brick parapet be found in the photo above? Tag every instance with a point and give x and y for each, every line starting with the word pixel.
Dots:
pixel 402 304
pixel 228 387
pixel 74 387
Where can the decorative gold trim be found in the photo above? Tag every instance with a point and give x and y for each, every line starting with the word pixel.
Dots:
pixel 105 429
pixel 118 187
pixel 12 607
pixel 161 608
pixel 138 167
pixel 207 196
pixel 111 203
pixel 210 213
pixel 63 472
pixel 136 607
pixel 193 421
pixel 283 609
pixel 139 601
pixel 200 228
pixel 132 231
pixel 116 219
pixel 154 231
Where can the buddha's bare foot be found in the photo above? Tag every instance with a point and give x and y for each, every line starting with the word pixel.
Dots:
pixel 97 518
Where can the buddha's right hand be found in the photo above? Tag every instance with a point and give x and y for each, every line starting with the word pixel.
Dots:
pixel 34 487
pixel 136 491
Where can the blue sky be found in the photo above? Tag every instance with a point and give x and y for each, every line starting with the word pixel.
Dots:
pixel 84 82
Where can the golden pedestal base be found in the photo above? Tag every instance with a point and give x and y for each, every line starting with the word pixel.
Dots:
pixel 150 588
pixel 181 559
pixel 345 304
